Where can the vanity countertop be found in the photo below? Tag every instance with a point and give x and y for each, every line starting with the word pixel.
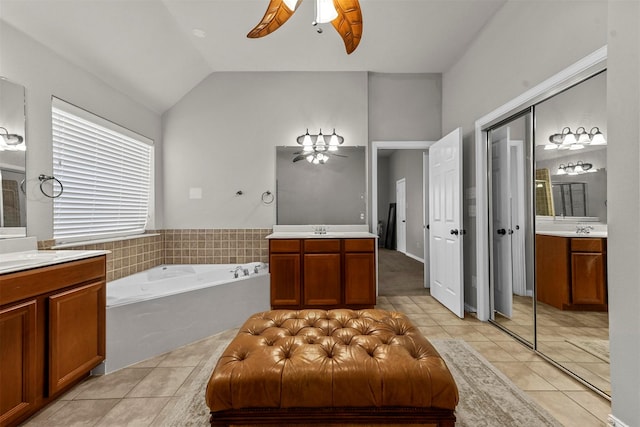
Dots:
pixel 560 233
pixel 24 260
pixel 327 235
pixel 356 231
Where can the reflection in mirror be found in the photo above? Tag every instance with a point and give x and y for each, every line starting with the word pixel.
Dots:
pixel 328 194
pixel 571 256
pixel 511 265
pixel 12 160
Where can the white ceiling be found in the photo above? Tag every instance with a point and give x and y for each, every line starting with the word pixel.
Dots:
pixel 146 48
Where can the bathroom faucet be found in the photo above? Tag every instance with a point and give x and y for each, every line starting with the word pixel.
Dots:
pixel 583 229
pixel 320 229
pixel 257 268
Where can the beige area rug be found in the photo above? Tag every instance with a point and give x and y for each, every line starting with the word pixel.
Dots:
pixel 595 347
pixel 487 397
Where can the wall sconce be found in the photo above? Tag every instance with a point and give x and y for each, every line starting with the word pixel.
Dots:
pixel 315 148
pixel 11 141
pixel 567 140
pixel 579 168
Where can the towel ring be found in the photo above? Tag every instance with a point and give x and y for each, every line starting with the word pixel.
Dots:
pixel 267 197
pixel 45 178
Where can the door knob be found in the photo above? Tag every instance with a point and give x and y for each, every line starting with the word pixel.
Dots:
pixel 510 231
pixel 502 231
pixel 404 220
pixel 454 231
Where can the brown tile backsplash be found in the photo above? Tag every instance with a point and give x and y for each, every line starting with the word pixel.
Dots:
pixel 180 246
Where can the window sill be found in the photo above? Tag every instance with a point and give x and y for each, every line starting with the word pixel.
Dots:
pixel 98 241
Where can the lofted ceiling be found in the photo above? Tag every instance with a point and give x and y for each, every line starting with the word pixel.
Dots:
pixel 148 49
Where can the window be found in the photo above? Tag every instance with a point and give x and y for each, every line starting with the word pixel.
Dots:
pixel 105 170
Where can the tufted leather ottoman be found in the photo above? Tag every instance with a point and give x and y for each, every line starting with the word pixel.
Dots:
pixel 333 367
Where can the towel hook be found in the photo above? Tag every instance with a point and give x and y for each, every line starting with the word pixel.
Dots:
pixel 45 178
pixel 267 197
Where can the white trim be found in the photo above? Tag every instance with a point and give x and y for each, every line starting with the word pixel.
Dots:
pixel 612 421
pixel 417 258
pixel 99 241
pixel 554 83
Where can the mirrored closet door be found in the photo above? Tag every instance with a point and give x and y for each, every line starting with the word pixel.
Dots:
pixel 548 224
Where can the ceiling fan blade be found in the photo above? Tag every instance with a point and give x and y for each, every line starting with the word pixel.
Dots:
pixel 348 23
pixel 277 14
pixel 339 155
pixel 298 158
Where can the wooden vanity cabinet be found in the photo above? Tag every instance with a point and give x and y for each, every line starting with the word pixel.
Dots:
pixel 322 273
pixel 359 272
pixel 52 333
pixel 571 272
pixel 284 268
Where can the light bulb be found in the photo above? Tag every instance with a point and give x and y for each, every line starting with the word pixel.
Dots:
pixel 325 11
pixel 568 138
pixel 561 170
pixel 320 144
pixel 306 141
pixel 597 138
pixel 578 168
pixel 582 136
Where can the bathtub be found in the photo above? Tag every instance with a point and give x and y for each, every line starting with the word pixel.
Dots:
pixel 161 309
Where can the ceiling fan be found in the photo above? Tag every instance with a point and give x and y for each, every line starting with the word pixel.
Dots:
pixel 345 15
pixel 315 156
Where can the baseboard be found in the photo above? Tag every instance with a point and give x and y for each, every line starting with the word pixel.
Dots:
pixel 614 422
pixel 414 257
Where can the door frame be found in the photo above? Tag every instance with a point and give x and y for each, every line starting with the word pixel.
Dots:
pixel 401 209
pixel 389 145
pixel 553 85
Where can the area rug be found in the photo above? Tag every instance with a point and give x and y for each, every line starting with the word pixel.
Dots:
pixel 487 397
pixel 597 348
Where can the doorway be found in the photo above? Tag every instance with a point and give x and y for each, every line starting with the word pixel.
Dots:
pixel 401 212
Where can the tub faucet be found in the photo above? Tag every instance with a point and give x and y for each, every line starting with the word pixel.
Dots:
pixel 583 229
pixel 236 272
pixel 257 268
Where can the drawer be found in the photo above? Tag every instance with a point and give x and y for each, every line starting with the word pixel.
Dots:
pixel 359 245
pixel 321 245
pixel 585 244
pixel 284 245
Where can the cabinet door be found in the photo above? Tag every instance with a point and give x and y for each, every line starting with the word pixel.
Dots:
pixel 76 333
pixel 553 272
pixel 322 280
pixel 17 361
pixel 285 280
pixel 359 279
pixel 588 281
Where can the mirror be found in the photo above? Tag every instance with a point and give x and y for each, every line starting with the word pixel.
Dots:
pixel 331 193
pixel 13 217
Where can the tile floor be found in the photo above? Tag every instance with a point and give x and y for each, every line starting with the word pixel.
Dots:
pixel 143 394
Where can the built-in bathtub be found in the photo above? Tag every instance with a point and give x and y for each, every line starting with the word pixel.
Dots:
pixel 158 310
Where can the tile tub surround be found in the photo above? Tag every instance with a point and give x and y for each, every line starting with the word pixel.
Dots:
pixel 180 246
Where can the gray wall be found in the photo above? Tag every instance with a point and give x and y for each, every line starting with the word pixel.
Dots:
pixel 408 164
pixel 221 138
pixel 45 74
pixel 405 107
pixel 623 188
pixel 525 43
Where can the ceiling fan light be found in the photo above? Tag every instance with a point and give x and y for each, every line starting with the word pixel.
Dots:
pixel 291 4
pixel 325 11
pixel 310 158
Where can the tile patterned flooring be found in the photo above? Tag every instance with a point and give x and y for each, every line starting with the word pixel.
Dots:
pixel 142 395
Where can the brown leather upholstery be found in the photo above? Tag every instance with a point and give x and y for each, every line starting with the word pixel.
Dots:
pixel 330 358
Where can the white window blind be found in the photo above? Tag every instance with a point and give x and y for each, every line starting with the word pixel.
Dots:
pixel 106 174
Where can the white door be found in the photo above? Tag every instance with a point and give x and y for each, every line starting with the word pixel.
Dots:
pixel 445 222
pixel 401 215
pixel 518 218
pixel 425 215
pixel 501 222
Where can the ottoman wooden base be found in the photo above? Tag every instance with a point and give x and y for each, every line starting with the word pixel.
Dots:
pixel 331 367
pixel 336 417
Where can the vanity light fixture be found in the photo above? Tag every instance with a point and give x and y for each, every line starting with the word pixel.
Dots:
pixel 11 141
pixel 315 148
pixel 575 169
pixel 567 140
